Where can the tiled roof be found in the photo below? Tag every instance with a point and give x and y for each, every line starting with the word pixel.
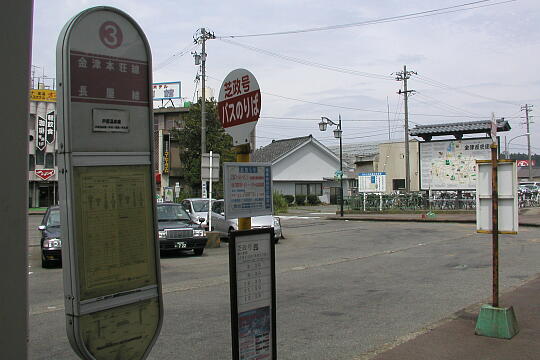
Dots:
pixel 470 127
pixel 278 148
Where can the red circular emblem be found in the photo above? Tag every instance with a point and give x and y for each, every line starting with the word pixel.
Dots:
pixel 110 34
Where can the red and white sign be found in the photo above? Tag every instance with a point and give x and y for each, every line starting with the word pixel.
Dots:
pixel 525 163
pixel 239 105
pixel 44 174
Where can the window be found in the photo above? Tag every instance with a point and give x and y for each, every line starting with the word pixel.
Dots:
pixel 49 160
pixel 308 189
pixel 40 157
pixel 398 184
pixel 31 162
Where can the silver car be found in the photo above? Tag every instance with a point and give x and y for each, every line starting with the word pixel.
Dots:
pixel 198 209
pixel 225 226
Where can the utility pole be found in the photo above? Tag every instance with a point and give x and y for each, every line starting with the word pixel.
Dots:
pixel 527 109
pixel 404 76
pixel 200 38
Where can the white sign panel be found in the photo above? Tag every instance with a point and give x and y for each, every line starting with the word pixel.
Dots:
pixel 205 167
pixel 507 185
pixel 253 300
pixel 451 164
pixel 166 90
pixel 110 120
pixel 239 105
pixel 372 182
pixel 248 189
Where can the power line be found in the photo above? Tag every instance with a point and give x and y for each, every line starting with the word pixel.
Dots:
pixel 433 12
pixel 174 56
pixel 308 62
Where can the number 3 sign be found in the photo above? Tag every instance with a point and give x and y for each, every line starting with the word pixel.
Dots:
pixel 110 35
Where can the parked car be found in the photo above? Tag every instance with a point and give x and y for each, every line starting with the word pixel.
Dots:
pixel 198 209
pixel 225 226
pixel 51 238
pixel 178 230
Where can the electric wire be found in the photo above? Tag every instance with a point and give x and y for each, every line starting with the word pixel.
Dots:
pixel 433 12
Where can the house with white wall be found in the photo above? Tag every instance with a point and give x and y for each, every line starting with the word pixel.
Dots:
pixel 302 166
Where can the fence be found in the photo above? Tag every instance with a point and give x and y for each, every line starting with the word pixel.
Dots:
pixel 439 200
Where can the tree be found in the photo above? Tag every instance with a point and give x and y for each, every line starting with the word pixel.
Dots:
pixel 188 135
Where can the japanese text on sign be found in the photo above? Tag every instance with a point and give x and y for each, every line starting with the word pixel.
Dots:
pixel 125 80
pixel 50 127
pixel 40 133
pixel 240 110
pixel 248 190
pixel 254 296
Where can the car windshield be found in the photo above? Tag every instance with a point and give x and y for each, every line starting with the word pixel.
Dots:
pixel 54 218
pixel 200 205
pixel 172 213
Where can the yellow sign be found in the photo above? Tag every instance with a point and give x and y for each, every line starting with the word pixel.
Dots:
pixel 43 95
pixel 114 231
pixel 166 162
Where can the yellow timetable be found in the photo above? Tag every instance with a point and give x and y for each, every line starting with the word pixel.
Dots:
pixel 114 229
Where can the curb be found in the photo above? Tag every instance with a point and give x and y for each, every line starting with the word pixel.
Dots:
pixel 420 220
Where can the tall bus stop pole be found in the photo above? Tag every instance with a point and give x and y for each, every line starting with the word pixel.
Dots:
pixel 242 155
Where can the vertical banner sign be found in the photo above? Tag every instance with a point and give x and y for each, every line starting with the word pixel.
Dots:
pixel 110 253
pixel 253 294
pixel 50 128
pixel 166 158
pixel 41 141
pixel 239 105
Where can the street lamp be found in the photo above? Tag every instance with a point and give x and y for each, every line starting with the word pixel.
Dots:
pixel 507 145
pixel 337 134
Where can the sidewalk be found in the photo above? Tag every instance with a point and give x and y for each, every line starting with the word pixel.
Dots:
pixel 527 217
pixel 454 338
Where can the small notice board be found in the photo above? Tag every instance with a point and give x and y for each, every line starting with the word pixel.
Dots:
pixel 253 294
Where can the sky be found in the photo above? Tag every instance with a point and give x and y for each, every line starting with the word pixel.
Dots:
pixel 471 61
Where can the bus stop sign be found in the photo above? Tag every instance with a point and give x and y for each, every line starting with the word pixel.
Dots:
pixel 110 252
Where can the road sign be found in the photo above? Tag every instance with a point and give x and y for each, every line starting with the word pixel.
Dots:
pixel 248 189
pixel 205 167
pixel 112 280
pixel 252 273
pixel 239 105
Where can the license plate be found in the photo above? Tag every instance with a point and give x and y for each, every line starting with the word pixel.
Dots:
pixel 180 245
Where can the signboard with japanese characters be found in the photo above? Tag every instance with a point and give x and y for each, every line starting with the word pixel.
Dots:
pixel 248 189
pixel 50 136
pixel 239 105
pixel 41 131
pixel 253 294
pixel 372 182
pixel 451 164
pixel 43 95
pixel 166 90
pixel 112 284
pixel 525 163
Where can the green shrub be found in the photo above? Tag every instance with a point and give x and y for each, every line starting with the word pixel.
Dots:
pixel 289 199
pixel 280 204
pixel 313 199
pixel 300 199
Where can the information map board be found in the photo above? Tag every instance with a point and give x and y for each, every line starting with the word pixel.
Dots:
pixel 252 274
pixel 451 164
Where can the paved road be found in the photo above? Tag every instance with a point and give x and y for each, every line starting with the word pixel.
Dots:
pixel 343 288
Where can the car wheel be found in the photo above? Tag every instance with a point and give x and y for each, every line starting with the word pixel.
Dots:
pixel 198 252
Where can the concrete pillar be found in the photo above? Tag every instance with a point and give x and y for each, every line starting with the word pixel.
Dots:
pixel 16 29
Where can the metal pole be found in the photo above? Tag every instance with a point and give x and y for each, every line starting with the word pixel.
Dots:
pixel 528 141
pixel 203 93
pixel 495 224
pixel 407 165
pixel 242 155
pixel 341 165
pixel 210 196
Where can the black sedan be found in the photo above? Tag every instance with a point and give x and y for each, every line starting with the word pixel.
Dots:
pixel 51 238
pixel 178 231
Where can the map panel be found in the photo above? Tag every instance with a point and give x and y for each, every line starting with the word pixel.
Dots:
pixel 451 164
